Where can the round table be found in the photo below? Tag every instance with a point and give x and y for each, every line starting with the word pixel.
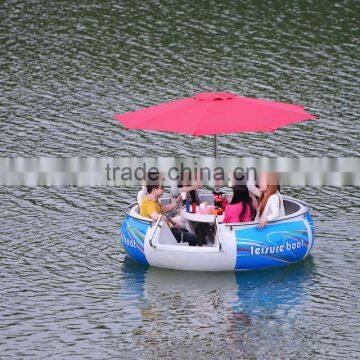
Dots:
pixel 197 217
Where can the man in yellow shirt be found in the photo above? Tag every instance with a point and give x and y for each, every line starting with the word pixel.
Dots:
pixel 151 208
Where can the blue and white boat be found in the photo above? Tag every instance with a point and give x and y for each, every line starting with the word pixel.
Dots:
pixel 237 246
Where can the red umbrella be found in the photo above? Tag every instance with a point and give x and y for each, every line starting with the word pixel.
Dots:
pixel 215 113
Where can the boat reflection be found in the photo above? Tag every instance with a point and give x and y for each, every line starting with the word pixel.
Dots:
pixel 271 293
pixel 234 296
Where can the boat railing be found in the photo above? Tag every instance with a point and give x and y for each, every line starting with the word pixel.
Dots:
pixel 217 232
pixel 303 211
pixel 157 225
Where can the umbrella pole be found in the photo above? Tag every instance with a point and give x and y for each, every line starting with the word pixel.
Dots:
pixel 215 146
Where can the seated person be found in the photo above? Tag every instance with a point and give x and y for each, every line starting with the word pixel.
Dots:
pixel 248 179
pixel 143 192
pixel 271 205
pixel 189 193
pixel 241 208
pixel 151 208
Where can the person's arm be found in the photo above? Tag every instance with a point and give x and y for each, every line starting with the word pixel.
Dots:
pixel 155 216
pixel 253 200
pixel 250 183
pixel 153 211
pixel 172 206
pixel 190 188
pixel 274 211
pixel 253 189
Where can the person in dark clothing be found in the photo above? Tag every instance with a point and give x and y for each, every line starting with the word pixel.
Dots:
pixel 183 235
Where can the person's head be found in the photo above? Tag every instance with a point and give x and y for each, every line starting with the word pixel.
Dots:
pixel 152 180
pixel 241 195
pixel 263 182
pixel 155 190
pixel 267 179
pixel 237 178
pixel 270 190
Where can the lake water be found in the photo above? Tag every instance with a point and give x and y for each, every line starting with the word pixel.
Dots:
pixel 65 69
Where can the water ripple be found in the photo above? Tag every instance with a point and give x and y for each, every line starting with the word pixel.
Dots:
pixel 65 70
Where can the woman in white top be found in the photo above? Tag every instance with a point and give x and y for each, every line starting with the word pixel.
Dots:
pixel 271 205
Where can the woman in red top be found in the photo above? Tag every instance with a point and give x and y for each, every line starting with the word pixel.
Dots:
pixel 241 208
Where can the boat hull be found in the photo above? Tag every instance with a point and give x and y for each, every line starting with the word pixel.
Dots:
pixel 238 247
pixel 275 245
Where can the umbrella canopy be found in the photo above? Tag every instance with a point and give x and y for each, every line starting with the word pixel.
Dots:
pixel 215 113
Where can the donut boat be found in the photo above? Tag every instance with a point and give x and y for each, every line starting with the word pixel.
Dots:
pixel 234 247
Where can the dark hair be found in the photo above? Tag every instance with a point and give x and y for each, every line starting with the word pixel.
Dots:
pixel 241 195
pixel 150 188
pixel 152 180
